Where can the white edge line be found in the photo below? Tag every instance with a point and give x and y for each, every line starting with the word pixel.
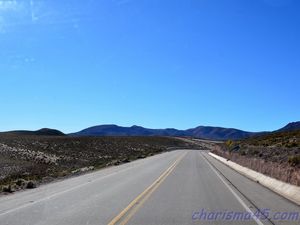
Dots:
pixel 235 194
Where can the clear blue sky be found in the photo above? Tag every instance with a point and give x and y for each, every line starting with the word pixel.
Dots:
pixel 71 64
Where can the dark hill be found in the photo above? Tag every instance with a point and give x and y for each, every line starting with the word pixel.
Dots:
pixel 41 132
pixel 219 133
pixel 294 126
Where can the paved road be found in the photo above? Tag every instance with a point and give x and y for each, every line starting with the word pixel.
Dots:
pixel 176 188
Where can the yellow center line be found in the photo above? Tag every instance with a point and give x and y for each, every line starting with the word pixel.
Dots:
pixel 136 204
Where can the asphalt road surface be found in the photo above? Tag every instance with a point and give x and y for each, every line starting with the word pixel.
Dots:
pixel 183 187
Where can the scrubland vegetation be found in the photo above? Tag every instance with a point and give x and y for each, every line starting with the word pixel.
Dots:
pixel 27 161
pixel 275 154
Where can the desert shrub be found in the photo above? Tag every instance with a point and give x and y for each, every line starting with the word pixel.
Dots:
pixel 294 160
pixel 235 148
pixel 292 145
pixel 243 152
pixel 21 182
pixel 63 173
pixel 254 152
pixel 8 188
pixel 31 184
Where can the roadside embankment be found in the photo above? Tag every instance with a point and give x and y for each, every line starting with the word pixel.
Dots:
pixel 286 190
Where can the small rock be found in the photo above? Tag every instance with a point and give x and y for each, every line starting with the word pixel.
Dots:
pixel 21 182
pixel 126 160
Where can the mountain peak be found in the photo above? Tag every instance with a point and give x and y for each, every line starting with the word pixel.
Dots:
pixel 293 126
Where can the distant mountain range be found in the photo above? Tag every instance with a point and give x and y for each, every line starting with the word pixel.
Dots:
pixel 204 132
pixel 114 130
pixel 215 133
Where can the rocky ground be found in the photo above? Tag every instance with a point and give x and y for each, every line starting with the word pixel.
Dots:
pixel 26 161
